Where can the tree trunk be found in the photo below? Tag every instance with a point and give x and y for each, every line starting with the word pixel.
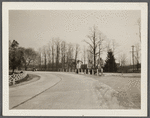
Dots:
pixel 25 66
pixel 137 65
pixel 45 62
pixel 13 70
pixel 94 58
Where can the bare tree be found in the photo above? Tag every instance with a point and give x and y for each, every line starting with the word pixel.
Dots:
pixel 63 53
pixel 49 50
pixel 108 47
pixel 57 43
pixel 40 58
pixel 96 40
pixel 90 57
pixel 84 55
pixel 137 55
pixel 77 49
pixel 139 25
pixel 115 45
pixel 70 52
pixel 45 57
pixel 29 57
pixel 123 60
pixel 53 52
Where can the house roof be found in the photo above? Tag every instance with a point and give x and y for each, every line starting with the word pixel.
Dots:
pixel 79 61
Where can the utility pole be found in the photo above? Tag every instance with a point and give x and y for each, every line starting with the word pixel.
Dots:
pixel 130 58
pixel 84 55
pixel 133 56
pixel 99 55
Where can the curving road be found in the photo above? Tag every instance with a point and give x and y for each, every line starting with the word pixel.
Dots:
pixel 55 90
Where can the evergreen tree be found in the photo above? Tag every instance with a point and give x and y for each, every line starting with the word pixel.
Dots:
pixel 110 65
pixel 15 55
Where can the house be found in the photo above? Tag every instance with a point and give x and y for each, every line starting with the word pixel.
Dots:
pixel 83 66
pixel 100 63
pixel 70 64
pixel 90 64
pixel 79 63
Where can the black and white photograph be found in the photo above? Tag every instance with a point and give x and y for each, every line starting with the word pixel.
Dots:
pixel 74 59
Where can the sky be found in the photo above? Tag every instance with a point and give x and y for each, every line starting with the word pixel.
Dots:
pixel 34 28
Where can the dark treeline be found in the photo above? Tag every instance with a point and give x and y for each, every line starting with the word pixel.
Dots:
pixel 57 54
pixel 20 57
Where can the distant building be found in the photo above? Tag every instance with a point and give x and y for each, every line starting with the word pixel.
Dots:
pixel 79 63
pixel 83 66
pixel 70 64
pixel 90 64
pixel 100 63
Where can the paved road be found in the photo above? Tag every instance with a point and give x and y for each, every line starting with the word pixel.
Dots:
pixel 55 90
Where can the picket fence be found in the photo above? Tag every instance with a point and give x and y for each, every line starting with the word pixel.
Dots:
pixel 16 77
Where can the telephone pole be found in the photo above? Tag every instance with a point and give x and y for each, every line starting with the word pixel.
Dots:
pixel 133 56
pixel 84 54
pixel 99 54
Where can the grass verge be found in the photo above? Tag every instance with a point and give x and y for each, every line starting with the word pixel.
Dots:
pixel 128 89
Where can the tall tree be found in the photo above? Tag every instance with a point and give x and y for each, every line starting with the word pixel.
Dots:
pixel 123 60
pixel 29 57
pixel 63 53
pixel 45 56
pixel 137 55
pixel 15 55
pixel 110 65
pixel 40 58
pixel 53 53
pixel 113 45
pixel 84 55
pixel 70 52
pixel 20 55
pixel 57 43
pixel 96 40
pixel 49 55
pixel 77 49
pixel 139 25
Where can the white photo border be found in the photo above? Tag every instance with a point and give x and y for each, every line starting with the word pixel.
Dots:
pixel 143 7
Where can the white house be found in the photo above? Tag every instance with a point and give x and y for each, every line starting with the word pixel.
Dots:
pixel 79 63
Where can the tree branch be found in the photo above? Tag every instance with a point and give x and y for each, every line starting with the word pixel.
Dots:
pixel 90 51
pixel 89 44
pixel 90 38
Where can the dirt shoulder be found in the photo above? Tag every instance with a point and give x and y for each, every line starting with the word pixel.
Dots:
pixel 128 88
